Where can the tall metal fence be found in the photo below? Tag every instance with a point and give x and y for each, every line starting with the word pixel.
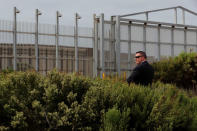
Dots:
pixel 26 48
pixel 117 40
pixel 107 48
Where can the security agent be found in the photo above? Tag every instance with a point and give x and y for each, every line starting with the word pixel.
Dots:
pixel 143 73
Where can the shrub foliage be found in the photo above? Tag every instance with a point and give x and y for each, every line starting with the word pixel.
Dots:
pixel 180 70
pixel 30 101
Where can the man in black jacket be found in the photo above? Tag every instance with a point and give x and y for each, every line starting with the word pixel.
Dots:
pixel 143 73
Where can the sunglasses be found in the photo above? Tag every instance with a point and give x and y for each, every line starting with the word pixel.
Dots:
pixel 138 56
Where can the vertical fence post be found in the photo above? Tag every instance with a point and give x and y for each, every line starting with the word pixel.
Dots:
pixel 144 37
pixel 159 42
pixel 175 15
pixel 183 12
pixel 118 45
pixel 129 45
pixel 185 39
pixel 112 48
pixel 172 41
pixel 95 46
pixel 36 39
pixel 109 53
pixel 76 42
pixel 146 16
pixel 144 32
pixel 57 40
pixel 46 60
pixel 102 59
pixel 196 40
pixel 15 38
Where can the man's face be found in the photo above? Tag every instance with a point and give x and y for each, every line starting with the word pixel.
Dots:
pixel 139 58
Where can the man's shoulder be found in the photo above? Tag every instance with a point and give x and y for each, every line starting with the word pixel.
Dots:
pixel 145 64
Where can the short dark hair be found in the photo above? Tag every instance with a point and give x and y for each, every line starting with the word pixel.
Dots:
pixel 142 53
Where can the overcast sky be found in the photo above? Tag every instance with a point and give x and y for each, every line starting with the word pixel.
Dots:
pixel 86 8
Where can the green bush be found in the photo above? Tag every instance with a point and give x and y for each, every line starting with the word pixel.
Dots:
pixel 18 91
pixel 114 120
pixel 174 110
pixel 63 97
pixel 116 101
pixel 30 101
pixel 180 70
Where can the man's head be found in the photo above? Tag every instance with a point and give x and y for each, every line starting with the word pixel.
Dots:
pixel 140 56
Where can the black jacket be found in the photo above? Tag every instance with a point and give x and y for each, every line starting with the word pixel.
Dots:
pixel 142 74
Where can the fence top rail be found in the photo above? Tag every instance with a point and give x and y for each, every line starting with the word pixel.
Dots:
pixel 158 23
pixel 157 10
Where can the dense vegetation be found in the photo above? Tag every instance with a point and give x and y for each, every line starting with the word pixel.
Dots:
pixel 30 101
pixel 180 70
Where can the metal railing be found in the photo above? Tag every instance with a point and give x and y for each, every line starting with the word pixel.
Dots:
pixel 108 47
pixel 54 40
pixel 126 36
